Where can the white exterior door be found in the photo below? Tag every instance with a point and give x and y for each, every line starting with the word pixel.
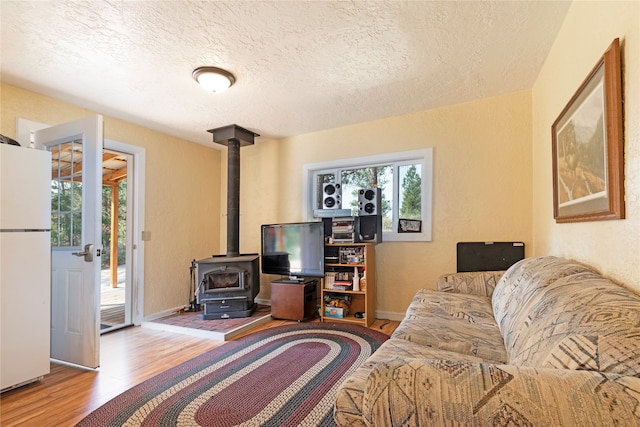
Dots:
pixel 76 240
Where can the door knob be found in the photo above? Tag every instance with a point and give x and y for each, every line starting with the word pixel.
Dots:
pixel 87 253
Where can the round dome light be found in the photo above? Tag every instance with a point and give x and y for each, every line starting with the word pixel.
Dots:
pixel 213 79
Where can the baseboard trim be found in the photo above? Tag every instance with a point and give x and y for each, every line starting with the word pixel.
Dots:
pixel 263 301
pixel 163 313
pixel 391 315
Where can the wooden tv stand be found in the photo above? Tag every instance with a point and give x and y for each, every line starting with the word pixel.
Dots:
pixel 294 300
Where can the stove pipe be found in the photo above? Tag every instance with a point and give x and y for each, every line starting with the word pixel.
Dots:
pixel 233 198
pixel 233 136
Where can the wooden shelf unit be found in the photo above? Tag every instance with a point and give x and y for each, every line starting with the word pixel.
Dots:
pixel 363 300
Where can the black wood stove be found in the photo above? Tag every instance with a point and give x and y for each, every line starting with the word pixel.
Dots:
pixel 228 284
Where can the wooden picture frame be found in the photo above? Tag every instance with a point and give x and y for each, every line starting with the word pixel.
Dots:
pixel 409 226
pixel 588 163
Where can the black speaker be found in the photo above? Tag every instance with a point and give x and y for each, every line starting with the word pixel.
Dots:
pixel 369 202
pixel 369 229
pixel 327 222
pixel 331 196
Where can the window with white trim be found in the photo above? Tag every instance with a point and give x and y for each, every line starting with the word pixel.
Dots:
pixel 404 178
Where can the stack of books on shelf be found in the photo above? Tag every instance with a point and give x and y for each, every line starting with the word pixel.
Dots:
pixel 350 255
pixel 337 281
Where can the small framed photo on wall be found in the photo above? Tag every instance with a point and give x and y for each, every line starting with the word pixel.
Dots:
pixel 409 226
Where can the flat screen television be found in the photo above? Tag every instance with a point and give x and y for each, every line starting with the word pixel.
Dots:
pixel 294 249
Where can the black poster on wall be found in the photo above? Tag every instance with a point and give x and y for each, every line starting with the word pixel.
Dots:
pixel 488 256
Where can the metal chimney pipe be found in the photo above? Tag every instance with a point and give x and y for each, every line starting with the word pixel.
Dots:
pixel 233 198
pixel 233 136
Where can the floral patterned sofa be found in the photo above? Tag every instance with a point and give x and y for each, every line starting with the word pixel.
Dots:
pixel 547 343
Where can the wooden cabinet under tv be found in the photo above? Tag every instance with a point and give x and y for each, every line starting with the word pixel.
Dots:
pixel 342 260
pixel 293 300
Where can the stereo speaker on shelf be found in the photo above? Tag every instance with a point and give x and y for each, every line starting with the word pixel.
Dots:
pixel 369 201
pixel 331 196
pixel 370 215
pixel 328 229
pixel 369 229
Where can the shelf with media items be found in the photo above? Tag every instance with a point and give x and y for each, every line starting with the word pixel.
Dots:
pixel 348 294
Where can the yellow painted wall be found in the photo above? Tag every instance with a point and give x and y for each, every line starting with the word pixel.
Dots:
pixel 612 247
pixel 492 174
pixel 482 188
pixel 182 193
pixel 482 185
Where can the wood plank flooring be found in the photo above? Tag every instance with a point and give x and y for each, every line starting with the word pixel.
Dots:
pixel 128 357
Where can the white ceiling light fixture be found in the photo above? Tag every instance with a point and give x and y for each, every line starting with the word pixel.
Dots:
pixel 213 79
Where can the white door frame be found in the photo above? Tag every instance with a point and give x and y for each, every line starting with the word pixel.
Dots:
pixel 135 181
pixel 24 130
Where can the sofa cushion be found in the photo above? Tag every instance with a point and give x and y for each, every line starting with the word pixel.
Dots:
pixel 519 288
pixel 474 283
pixel 432 392
pixel 569 317
pixel 453 322
pixel 606 354
pixel 350 395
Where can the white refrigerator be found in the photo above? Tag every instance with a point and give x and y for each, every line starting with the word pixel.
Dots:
pixel 25 265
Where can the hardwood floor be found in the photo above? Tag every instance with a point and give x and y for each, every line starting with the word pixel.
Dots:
pixel 128 357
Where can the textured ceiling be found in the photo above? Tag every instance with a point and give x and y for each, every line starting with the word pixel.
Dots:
pixel 301 66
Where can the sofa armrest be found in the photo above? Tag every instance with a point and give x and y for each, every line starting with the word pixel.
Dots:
pixel 480 283
pixel 429 392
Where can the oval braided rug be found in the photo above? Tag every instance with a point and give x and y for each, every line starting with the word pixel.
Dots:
pixel 282 376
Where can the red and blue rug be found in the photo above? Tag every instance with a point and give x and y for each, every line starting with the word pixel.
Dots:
pixel 282 376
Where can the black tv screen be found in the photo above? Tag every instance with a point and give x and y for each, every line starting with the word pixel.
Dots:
pixel 293 249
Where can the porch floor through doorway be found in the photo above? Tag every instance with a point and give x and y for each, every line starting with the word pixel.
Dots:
pixel 112 300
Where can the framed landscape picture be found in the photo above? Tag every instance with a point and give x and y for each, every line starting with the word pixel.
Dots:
pixel 588 165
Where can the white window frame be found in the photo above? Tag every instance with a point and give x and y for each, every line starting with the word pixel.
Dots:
pixel 422 156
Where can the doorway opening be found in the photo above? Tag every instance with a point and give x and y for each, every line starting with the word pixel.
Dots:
pixel 133 268
pixel 115 288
